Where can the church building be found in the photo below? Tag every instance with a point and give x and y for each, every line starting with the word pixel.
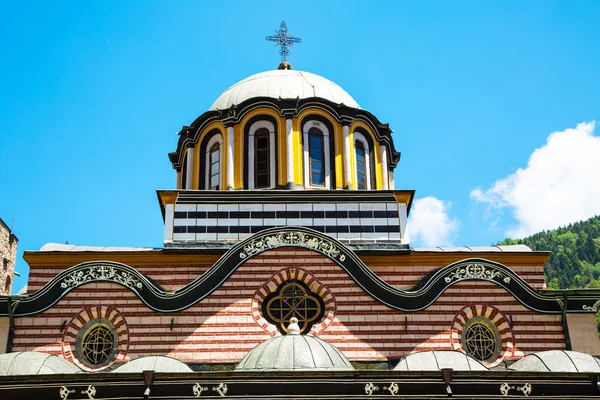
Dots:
pixel 287 271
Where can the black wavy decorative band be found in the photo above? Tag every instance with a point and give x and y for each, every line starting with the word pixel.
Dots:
pixel 418 298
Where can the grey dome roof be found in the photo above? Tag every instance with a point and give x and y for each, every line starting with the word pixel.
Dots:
pixel 285 84
pixel 557 361
pixel 294 353
pixel 35 363
pixel 154 363
pixel 436 360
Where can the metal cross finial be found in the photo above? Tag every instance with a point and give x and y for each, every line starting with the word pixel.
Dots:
pixel 283 39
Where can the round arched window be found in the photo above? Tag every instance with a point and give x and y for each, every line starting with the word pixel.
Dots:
pixel 96 343
pixel 293 299
pixel 481 339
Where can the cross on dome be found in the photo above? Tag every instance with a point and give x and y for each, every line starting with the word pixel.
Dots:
pixel 283 39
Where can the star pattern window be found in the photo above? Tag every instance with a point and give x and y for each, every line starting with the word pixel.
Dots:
pixel 293 299
pixel 97 343
pixel 481 339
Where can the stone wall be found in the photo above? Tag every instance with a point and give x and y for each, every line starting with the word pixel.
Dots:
pixel 8 256
pixel 228 323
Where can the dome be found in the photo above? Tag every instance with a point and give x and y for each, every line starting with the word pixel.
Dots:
pixel 436 360
pixel 285 84
pixel 294 352
pixel 154 363
pixel 35 363
pixel 557 361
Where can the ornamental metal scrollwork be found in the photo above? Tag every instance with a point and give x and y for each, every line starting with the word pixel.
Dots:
pixel 90 391
pixel 593 308
pixel 64 392
pixel 370 388
pixel 101 272
pixel 476 271
pixel 197 389
pixel 221 389
pixel 526 389
pixel 393 388
pixel 297 239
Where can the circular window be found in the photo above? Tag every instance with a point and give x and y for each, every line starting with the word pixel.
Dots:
pixel 96 343
pixel 293 299
pixel 481 339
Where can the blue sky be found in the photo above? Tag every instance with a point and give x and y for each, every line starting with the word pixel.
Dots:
pixel 93 93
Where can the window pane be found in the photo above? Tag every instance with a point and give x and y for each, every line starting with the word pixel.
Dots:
pixel 261 159
pixel 262 181
pixel 214 182
pixel 361 170
pixel 316 141
pixel 316 156
pixel 317 179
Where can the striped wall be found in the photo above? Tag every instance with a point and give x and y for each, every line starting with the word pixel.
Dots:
pixel 344 221
pixel 222 327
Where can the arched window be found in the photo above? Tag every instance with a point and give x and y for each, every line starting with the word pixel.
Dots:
pixel 316 155
pixel 261 159
pixel 261 155
pixel 361 166
pixel 365 163
pixel 7 284
pixel 213 164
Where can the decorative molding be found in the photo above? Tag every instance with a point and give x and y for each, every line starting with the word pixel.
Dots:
pixel 90 392
pixel 190 135
pixel 476 271
pixel 417 298
pixel 592 308
pixel 370 389
pixel 101 273
pixel 197 389
pixel 505 389
pixel 64 392
pixel 293 239
pixel 221 389
pixel 393 388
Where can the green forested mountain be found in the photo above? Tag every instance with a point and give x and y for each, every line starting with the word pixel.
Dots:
pixel 575 254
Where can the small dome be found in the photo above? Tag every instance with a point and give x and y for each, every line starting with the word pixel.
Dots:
pixel 436 360
pixel 294 352
pixel 285 84
pixel 557 361
pixel 35 363
pixel 154 363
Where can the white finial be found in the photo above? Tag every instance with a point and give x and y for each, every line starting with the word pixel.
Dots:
pixel 293 328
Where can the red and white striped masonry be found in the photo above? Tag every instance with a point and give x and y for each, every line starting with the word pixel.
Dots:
pixel 223 327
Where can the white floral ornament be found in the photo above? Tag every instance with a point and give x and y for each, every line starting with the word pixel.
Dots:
pixel 297 239
pixel 476 271
pixel 101 272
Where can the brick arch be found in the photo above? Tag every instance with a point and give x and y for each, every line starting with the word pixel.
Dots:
pixel 507 338
pixel 69 339
pixel 307 278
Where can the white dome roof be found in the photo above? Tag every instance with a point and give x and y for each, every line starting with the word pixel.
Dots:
pixel 154 363
pixel 294 353
pixel 557 361
pixel 436 360
pixel 285 84
pixel 35 363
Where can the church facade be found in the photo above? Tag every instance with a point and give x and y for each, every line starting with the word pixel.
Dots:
pixel 284 208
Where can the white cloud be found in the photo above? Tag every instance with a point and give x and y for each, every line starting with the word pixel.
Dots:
pixel 560 185
pixel 430 223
